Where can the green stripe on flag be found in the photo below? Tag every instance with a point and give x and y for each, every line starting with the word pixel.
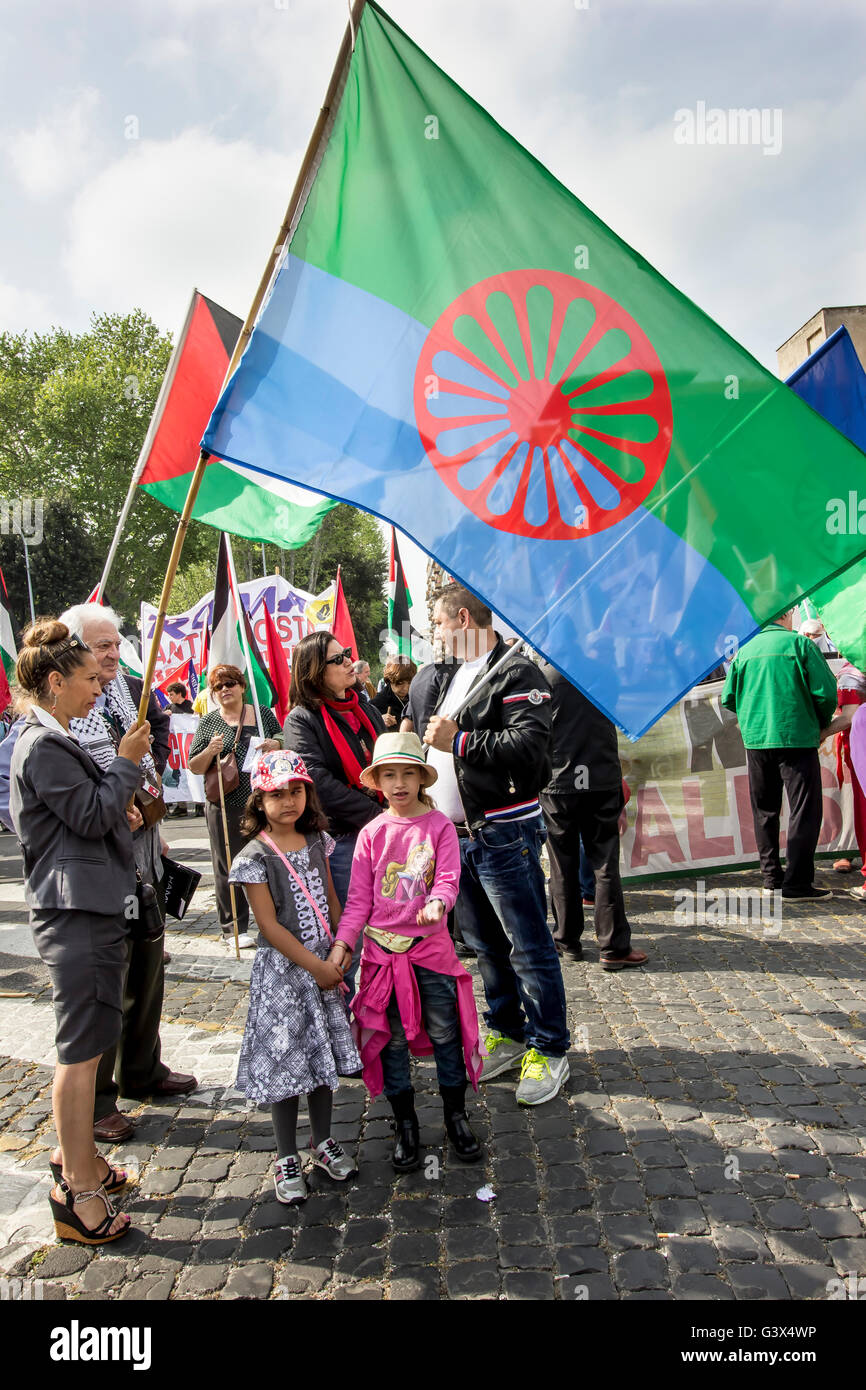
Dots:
pixel 229 501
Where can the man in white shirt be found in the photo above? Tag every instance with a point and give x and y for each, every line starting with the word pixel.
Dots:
pixel 493 758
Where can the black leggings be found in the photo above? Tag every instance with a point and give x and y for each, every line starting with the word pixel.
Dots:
pixel 284 1116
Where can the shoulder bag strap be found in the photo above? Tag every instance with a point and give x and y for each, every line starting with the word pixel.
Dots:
pixel 299 881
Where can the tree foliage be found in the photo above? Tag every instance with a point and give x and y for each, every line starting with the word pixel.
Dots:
pixel 74 411
pixel 63 554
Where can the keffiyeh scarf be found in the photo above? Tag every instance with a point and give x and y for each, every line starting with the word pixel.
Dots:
pixel 94 731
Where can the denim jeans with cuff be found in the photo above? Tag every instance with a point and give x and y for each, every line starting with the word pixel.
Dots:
pixel 503 918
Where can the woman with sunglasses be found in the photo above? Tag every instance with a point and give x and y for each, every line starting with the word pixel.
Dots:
pixel 334 733
pixel 230 728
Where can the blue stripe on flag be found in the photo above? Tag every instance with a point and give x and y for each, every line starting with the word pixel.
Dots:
pixel 323 397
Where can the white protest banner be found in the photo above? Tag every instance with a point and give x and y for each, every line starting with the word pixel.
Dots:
pixel 293 610
pixel 178 783
pixel 690 807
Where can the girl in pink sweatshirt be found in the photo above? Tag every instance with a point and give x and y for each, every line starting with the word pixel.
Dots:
pixel 414 995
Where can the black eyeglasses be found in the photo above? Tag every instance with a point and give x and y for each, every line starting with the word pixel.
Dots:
pixel 345 655
pixel 224 685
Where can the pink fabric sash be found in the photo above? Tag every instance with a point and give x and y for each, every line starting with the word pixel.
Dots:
pixel 383 974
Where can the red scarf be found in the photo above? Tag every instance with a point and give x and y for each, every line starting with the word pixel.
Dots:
pixel 350 709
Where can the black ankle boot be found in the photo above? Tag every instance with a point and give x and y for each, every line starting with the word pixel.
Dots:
pixel 463 1141
pixel 407 1152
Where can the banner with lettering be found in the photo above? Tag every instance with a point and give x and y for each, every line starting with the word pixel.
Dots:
pixel 178 783
pixel 690 807
pixel 292 610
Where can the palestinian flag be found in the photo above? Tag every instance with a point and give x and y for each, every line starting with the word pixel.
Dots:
pixel 469 353
pixel 399 602
pixel 227 640
pixel 8 647
pixel 231 498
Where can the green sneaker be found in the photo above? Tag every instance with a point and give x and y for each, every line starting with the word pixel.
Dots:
pixel 503 1054
pixel 540 1077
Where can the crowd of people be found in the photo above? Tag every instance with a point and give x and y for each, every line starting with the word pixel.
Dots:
pixel 376 840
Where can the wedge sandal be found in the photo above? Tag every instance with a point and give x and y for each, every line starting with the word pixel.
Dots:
pixel 68 1226
pixel 116 1179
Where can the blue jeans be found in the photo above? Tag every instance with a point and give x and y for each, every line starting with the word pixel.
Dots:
pixel 503 918
pixel 442 1022
pixel 340 863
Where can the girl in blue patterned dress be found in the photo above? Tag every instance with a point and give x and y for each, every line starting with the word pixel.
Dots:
pixel 297 1038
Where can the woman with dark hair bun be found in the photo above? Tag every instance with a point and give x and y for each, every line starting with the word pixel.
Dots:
pixel 79 874
pixel 334 733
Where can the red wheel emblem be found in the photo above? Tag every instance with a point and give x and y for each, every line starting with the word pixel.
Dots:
pixel 542 405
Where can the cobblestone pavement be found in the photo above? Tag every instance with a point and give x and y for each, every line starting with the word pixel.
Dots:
pixel 711 1143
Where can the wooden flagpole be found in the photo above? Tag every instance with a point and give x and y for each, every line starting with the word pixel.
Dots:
pixel 296 203
pixel 232 897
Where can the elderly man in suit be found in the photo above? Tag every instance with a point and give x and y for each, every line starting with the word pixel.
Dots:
pixel 135 1068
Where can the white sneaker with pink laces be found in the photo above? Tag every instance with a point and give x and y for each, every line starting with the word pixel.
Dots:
pixel 333 1160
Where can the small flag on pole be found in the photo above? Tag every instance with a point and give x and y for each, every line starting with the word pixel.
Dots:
pixel 8 647
pixel 226 643
pixel 278 666
pixel 342 627
pixel 399 603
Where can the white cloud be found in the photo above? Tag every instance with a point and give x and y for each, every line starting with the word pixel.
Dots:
pixel 163 51
pixel 57 152
pixel 23 310
pixel 173 215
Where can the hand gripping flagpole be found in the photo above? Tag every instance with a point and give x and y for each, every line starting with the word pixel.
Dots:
pixel 303 183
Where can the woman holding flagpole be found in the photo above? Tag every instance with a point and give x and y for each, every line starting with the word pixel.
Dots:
pixel 226 730
pixel 334 733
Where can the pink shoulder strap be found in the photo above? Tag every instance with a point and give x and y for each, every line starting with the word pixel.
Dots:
pixel 299 881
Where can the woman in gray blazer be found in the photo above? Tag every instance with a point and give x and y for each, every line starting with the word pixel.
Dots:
pixel 79 873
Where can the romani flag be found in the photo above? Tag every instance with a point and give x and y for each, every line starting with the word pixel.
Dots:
pixel 833 381
pixel 226 642
pixel 8 647
pixel 455 343
pixel 399 603
pixel 232 497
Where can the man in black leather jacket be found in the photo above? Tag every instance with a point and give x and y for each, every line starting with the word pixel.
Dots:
pixel 583 800
pixel 493 757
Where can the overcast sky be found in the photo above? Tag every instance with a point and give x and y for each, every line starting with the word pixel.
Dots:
pixel 219 98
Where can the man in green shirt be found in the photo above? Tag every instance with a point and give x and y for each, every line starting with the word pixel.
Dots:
pixel 783 694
